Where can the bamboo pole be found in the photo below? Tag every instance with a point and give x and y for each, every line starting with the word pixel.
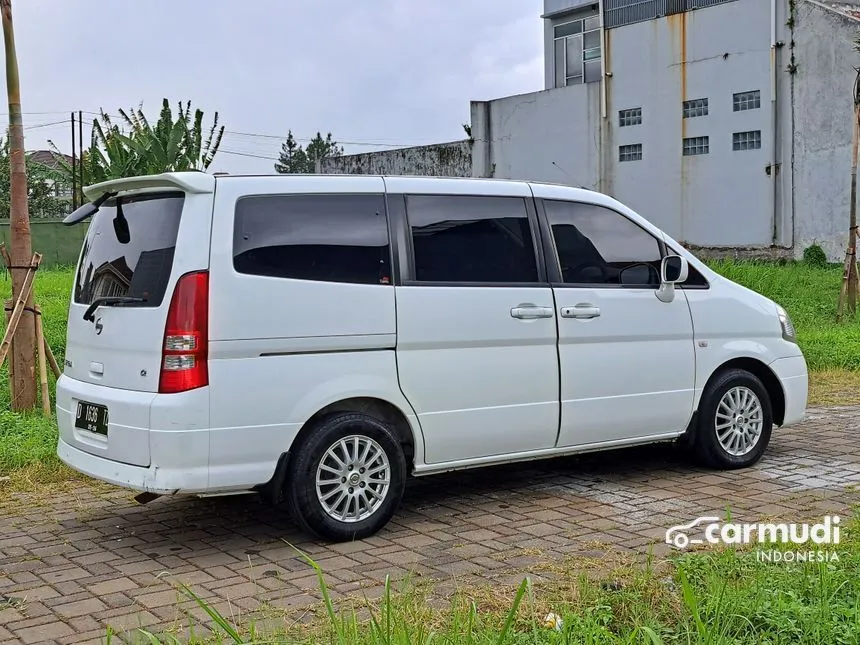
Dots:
pixel 51 360
pixel 43 368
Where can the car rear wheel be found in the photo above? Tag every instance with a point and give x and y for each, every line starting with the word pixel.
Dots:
pixel 347 477
pixel 735 421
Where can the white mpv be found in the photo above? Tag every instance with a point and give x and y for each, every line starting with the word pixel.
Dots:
pixel 319 339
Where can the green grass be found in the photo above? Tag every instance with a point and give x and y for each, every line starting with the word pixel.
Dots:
pixel 808 293
pixel 31 439
pixel 717 597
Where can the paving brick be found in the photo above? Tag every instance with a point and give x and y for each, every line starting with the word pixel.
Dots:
pixel 158 598
pixel 43 633
pixel 103 561
pixel 112 586
pixel 80 608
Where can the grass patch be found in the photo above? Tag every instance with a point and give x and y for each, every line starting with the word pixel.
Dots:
pixel 717 597
pixel 808 292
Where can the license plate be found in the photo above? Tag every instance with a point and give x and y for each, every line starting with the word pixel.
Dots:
pixel 92 418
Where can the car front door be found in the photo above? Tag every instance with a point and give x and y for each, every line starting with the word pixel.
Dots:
pixel 627 358
pixel 476 330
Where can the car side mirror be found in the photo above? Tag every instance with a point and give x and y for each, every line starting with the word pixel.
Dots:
pixel 673 270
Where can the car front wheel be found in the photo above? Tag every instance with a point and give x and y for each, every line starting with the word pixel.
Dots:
pixel 735 421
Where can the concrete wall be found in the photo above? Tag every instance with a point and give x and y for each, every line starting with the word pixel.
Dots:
pixel 59 245
pixel 823 116
pixel 544 136
pixel 444 160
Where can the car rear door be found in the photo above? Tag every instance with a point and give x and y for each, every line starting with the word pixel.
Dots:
pixel 138 245
pixel 476 331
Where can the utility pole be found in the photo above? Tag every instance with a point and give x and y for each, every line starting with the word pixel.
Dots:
pixel 81 156
pixel 848 293
pixel 24 357
pixel 74 168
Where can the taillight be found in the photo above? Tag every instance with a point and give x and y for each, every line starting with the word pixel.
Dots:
pixel 184 354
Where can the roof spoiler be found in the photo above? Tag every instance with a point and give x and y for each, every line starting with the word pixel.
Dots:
pixel 189 182
pixel 98 194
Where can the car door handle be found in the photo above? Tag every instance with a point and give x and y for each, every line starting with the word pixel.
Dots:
pixel 530 312
pixel 582 311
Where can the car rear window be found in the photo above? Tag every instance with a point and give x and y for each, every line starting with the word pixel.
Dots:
pixel 136 264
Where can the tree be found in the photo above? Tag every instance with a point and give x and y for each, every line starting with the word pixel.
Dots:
pixel 292 159
pixel 24 355
pixel 140 148
pixel 295 159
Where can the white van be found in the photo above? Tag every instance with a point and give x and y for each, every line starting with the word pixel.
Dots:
pixel 319 339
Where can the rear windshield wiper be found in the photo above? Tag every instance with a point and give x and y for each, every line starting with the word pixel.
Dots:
pixel 88 209
pixel 109 301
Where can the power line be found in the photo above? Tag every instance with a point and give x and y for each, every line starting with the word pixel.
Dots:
pixel 45 125
pixel 247 154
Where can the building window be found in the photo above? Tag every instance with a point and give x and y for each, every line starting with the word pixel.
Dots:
pixel 328 238
pixel 746 140
pixel 747 101
pixel 577 51
pixel 469 238
pixel 696 107
pixel 632 116
pixel 630 153
pixel 696 146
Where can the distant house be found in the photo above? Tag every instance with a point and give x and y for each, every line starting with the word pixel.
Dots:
pixel 48 159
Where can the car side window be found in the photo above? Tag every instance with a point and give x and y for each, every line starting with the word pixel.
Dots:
pixel 599 246
pixel 330 238
pixel 471 239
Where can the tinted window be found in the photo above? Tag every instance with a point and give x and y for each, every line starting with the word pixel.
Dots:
pixel 596 245
pixel 471 239
pixel 129 249
pixel 333 238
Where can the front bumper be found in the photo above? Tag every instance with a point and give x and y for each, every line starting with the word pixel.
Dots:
pixel 794 377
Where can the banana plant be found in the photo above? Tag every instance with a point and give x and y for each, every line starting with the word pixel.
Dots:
pixel 137 147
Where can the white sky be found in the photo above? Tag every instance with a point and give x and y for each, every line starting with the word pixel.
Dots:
pixel 382 71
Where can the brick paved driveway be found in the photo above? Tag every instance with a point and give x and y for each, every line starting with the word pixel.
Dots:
pixel 92 557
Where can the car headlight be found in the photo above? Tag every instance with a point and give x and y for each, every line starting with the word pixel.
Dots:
pixel 788 331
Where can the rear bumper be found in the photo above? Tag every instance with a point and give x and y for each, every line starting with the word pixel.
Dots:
pixel 156 442
pixel 792 373
pixel 154 479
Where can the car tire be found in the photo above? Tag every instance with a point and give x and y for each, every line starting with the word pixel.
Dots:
pixel 735 421
pixel 346 477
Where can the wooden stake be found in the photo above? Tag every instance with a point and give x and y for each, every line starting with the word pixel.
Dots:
pixel 850 274
pixel 8 306
pixel 6 258
pixel 43 369
pixel 20 304
pixel 51 360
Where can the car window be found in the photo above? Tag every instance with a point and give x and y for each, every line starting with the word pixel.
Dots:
pixel 129 249
pixel 331 238
pixel 600 246
pixel 471 239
